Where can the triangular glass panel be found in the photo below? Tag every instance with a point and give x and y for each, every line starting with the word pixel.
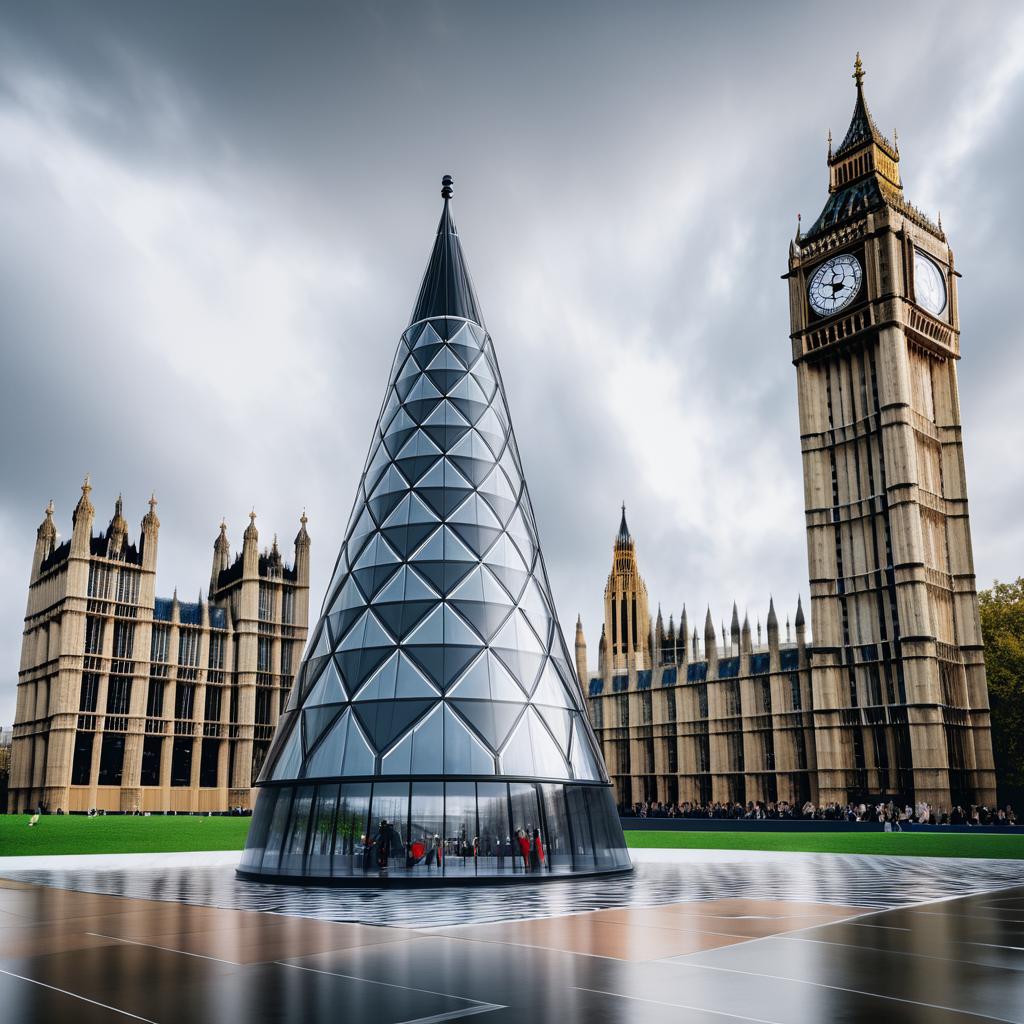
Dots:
pixel 490 429
pixel 376 565
pixel 488 679
pixel 328 689
pixel 445 425
pixel 519 650
pixel 532 752
pixel 507 564
pixel 520 533
pixel 290 759
pixel 360 533
pixel 468 397
pixel 559 724
pixel 396 363
pixel 387 494
pixel 584 763
pixel 322 644
pixel 417 456
pixel 409 525
pixel 492 719
pixel 549 689
pixel 482 602
pixel 315 721
pixel 420 752
pixel 399 431
pixel 444 560
pixel 366 647
pixel 373 472
pixel 443 488
pixel 465 345
pixel 464 754
pixel 407 379
pixel 359 758
pixel 385 720
pixel 396 678
pixel 475 524
pixel 445 370
pixel 412 335
pixel 427 348
pixel 498 494
pixel 473 458
pixel 422 399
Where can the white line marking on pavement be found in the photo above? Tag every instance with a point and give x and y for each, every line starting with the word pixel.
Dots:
pixel 679 1006
pixel 75 995
pixel 479 1005
pixel 834 988
pixel 165 949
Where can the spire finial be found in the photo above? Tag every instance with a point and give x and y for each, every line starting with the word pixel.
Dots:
pixel 252 516
pixel 446 187
pixel 858 71
pixel 152 501
pixel 830 143
pixel 49 509
pixel 302 519
pixel 86 486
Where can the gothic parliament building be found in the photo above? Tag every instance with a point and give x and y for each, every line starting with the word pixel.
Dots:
pixel 132 702
pixel 889 701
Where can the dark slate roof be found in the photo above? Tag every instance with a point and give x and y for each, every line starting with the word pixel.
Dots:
pixel 863 129
pixel 623 534
pixel 447 289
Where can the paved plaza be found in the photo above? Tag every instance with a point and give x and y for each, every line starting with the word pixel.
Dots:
pixel 689 936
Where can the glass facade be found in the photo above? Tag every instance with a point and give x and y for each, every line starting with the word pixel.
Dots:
pixel 436 724
pixel 434 829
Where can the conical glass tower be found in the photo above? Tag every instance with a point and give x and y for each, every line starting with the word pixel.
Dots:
pixel 436 729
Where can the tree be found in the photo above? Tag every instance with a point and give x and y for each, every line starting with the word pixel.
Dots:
pixel 1002 627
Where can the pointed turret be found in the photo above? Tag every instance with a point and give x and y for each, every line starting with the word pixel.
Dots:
pixel 603 669
pixel 581 653
pixel 81 520
pixel 221 557
pixel 696 645
pixel 302 543
pixel 46 540
pixel 734 630
pixel 773 624
pixel 746 644
pixel 150 534
pixel 438 653
pixel 711 644
pixel 659 637
pixel 117 531
pixel 801 626
pixel 250 547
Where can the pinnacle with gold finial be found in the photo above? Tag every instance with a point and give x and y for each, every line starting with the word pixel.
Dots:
pixel 858 71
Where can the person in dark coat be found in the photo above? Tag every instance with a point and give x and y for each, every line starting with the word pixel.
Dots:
pixel 385 837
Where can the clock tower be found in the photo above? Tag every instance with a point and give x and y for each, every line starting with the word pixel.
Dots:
pixel 900 699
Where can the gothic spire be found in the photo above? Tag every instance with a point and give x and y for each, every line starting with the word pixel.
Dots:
pixel 862 125
pixel 623 536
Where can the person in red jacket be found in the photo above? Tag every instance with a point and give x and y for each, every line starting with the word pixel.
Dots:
pixel 537 859
pixel 524 847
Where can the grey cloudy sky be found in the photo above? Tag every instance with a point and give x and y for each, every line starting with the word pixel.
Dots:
pixel 214 219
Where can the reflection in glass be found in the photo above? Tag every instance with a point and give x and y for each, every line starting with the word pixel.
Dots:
pixel 350 835
pixel 276 835
pixel 255 844
pixel 321 831
pixel 426 828
pixel 389 824
pixel 460 828
pixel 495 832
pixel 556 816
pixel 526 824
pixel 295 847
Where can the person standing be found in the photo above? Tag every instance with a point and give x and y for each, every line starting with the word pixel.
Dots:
pixel 537 853
pixel 524 848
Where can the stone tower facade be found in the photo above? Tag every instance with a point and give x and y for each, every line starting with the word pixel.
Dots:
pixel 900 696
pixel 626 613
pixel 128 701
pixel 890 701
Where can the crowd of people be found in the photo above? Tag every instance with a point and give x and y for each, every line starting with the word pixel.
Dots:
pixel 886 812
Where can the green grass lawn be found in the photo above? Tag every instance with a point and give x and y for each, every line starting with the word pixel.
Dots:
pixel 903 844
pixel 117 834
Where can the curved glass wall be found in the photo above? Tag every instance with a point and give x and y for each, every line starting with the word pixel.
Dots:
pixel 437 692
pixel 433 829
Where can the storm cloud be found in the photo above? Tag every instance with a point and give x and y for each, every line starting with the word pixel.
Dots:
pixel 214 219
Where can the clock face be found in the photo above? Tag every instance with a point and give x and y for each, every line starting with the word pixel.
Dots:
pixel 929 284
pixel 835 284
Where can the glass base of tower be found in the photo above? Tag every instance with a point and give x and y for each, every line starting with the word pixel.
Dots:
pixel 432 831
